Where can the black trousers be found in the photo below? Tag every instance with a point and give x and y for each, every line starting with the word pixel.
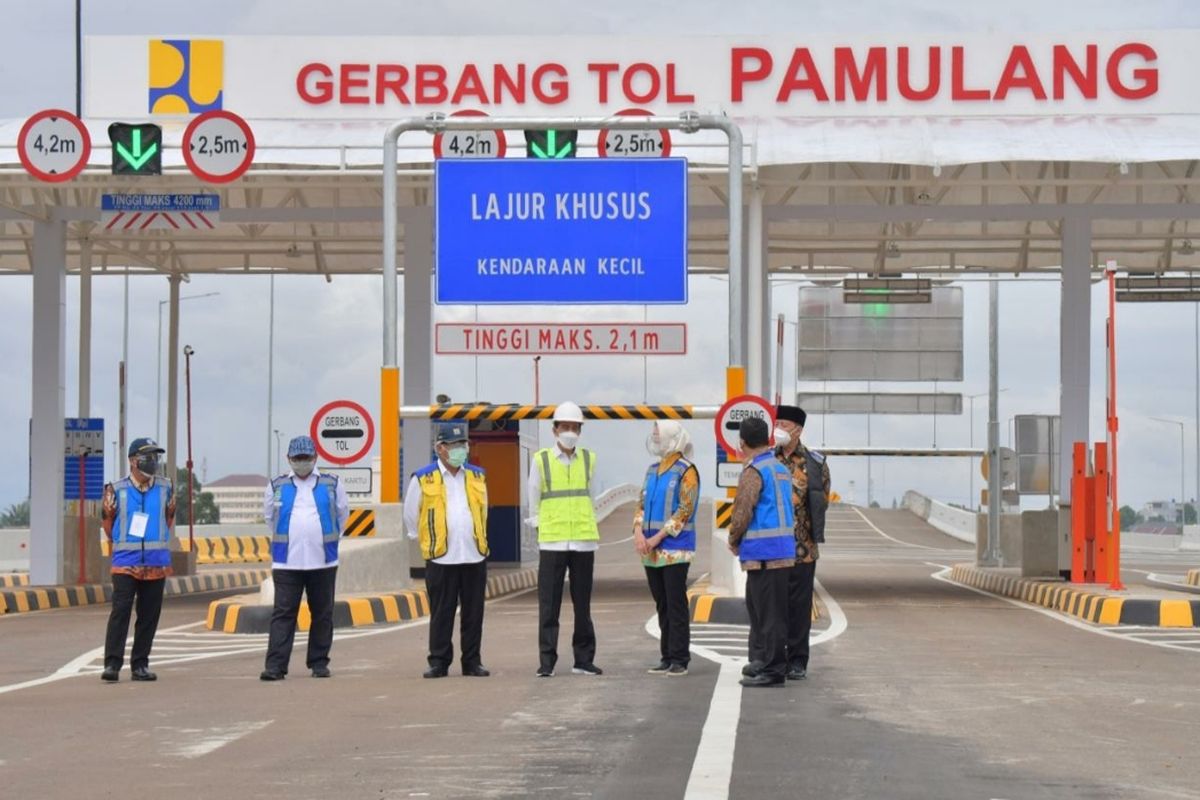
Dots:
pixel 668 586
pixel 318 585
pixel 800 604
pixel 451 585
pixel 149 595
pixel 767 605
pixel 553 566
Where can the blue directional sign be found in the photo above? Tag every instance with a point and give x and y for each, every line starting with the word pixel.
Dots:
pixel 84 441
pixel 590 231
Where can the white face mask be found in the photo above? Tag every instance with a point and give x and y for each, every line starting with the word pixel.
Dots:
pixel 302 467
pixel 567 439
pixel 782 438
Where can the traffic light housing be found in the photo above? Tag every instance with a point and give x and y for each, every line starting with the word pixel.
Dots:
pixel 136 148
pixel 551 144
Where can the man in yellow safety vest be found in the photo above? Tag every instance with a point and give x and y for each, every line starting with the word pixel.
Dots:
pixel 560 493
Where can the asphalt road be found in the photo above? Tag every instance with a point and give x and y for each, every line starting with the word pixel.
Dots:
pixel 929 691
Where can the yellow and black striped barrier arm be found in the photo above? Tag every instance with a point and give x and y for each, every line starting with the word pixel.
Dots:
pixel 506 411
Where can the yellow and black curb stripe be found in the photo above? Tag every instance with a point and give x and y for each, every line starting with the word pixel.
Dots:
pixel 1093 607
pixel 495 413
pixel 360 523
pixel 40 598
pixel 232 549
pixel 724 513
pixel 726 610
pixel 14 579
pixel 243 615
pixel 1193 577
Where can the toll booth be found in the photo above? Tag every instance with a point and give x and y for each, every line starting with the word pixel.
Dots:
pixel 504 451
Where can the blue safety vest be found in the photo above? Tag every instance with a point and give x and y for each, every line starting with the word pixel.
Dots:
pixel 771 535
pixel 661 493
pixel 153 549
pixel 325 496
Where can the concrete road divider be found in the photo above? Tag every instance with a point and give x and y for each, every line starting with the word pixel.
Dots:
pixel 14 579
pixel 1090 606
pixel 245 614
pixel 726 610
pixel 1193 577
pixel 40 598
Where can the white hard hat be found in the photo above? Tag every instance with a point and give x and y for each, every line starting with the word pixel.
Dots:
pixel 568 412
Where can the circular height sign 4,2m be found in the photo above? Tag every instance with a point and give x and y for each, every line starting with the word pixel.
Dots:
pixel 343 431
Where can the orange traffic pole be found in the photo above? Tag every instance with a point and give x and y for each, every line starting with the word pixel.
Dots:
pixel 735 386
pixel 1100 511
pixel 1114 539
pixel 1079 513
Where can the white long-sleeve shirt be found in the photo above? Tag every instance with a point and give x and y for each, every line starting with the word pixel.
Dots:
pixel 533 491
pixel 460 528
pixel 306 545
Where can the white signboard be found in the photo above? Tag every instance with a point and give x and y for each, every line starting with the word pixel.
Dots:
pixel 356 480
pixel 552 338
pixel 730 416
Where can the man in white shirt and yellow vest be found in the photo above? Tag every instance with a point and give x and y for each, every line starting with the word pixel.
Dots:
pixel 445 508
pixel 561 493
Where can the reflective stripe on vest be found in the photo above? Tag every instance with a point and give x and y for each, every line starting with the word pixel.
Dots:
pixel 661 493
pixel 129 551
pixel 565 511
pixel 771 534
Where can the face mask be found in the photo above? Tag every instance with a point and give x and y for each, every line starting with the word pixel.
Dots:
pixel 567 439
pixel 782 438
pixel 654 445
pixel 148 465
pixel 456 456
pixel 302 467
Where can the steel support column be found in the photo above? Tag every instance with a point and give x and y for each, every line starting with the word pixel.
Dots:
pixel 1075 359
pixel 417 375
pixel 47 440
pixel 172 380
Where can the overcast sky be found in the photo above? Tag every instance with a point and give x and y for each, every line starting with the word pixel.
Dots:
pixel 327 336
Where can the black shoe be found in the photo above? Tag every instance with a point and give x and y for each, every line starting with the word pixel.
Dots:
pixel 321 672
pixel 110 675
pixel 797 673
pixel 271 675
pixel 435 672
pixel 753 669
pixel 476 671
pixel 545 672
pixel 677 670
pixel 143 674
pixel 660 668
pixel 586 669
pixel 762 679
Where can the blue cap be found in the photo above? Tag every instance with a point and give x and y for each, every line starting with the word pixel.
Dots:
pixel 144 445
pixel 302 447
pixel 450 432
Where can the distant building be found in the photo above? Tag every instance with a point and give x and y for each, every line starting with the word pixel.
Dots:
pixel 239 498
pixel 1164 510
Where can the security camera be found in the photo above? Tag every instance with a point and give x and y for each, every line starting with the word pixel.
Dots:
pixel 188 351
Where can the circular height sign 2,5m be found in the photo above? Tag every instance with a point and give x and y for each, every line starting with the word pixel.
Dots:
pixel 343 431
pixel 218 146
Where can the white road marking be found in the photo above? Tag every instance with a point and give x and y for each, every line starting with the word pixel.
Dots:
pixel 875 528
pixel 196 742
pixel 1127 633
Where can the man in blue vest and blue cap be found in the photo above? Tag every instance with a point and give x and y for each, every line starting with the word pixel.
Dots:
pixel 138 515
pixel 306 512
pixel 761 534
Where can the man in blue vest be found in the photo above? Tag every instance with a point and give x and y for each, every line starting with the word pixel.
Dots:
pixel 306 512
pixel 445 508
pixel 138 515
pixel 761 534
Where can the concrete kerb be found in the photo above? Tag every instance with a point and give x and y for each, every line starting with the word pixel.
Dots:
pixel 703 606
pixel 1193 577
pixel 1097 608
pixel 40 598
pixel 244 614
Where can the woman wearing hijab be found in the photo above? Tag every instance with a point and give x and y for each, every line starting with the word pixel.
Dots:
pixel 664 535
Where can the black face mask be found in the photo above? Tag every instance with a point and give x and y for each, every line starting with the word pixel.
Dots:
pixel 148 465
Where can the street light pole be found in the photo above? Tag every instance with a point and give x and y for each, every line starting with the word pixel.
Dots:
pixel 278 455
pixel 187 380
pixel 158 380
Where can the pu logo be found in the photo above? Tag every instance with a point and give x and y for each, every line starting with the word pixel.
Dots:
pixel 186 75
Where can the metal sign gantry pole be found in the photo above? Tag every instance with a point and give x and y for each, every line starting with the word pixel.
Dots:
pixel 687 122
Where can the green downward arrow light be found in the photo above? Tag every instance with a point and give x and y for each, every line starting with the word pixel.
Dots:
pixel 551 151
pixel 138 158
